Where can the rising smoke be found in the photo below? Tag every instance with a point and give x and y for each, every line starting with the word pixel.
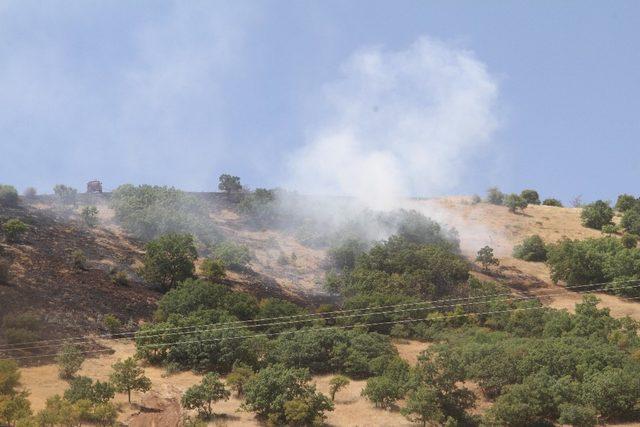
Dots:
pixel 402 123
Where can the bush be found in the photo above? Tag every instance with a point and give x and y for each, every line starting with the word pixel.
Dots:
pixel 486 258
pixel 403 269
pixel 232 255
pixel 30 193
pixel 577 415
pixel 475 199
pixel 530 196
pixel 112 323
pixel 169 260
pixel 69 361
pixel 631 221
pixel 629 241
pixel 128 377
pixel 9 376
pixel 83 388
pixel 336 384
pixel 626 202
pixel 8 195
pixel 422 406
pixel 201 396
pixel 609 229
pixel 382 391
pixel 596 214
pixel 272 391
pixel 21 328
pixel 14 229
pixel 552 202
pixel 212 270
pixel 149 212
pixel 15 408
pixel 495 196
pixel 238 377
pixel 229 184
pixel 531 249
pixel 78 260
pixel 614 392
pixel 119 278
pixel 514 202
pixel 89 215
pixel 66 195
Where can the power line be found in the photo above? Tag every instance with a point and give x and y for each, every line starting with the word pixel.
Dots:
pixel 312 315
pixel 365 312
pixel 160 345
pixel 204 328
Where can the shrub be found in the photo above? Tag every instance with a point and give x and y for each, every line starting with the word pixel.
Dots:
pixel 614 392
pixel 229 184
pixel 382 391
pixel 212 270
pixel 609 229
pixel 596 214
pixel 89 215
pixel 514 202
pixel 169 260
pixel 149 212
pixel 495 196
pixel 238 377
pixel 422 406
pixel 128 377
pixel 530 196
pixel 232 255
pixel 5 273
pixel 8 195
pixel 83 388
pixel 69 361
pixel 9 376
pixel 552 202
pixel 343 256
pixel 78 260
pixel 629 241
pixel 336 384
pixel 66 195
pixel 475 199
pixel 270 390
pixel 201 396
pixel 531 249
pixel 577 415
pixel 30 193
pixel 626 202
pixel 192 296
pixel 14 229
pixel 21 328
pixel 15 408
pixel 119 278
pixel 631 221
pixel 486 258
pixel 112 323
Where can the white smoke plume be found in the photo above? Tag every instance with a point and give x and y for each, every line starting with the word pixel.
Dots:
pixel 400 123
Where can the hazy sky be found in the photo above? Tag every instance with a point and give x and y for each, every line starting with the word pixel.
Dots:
pixel 423 97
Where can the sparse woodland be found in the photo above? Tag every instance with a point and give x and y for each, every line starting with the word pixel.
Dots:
pixel 535 365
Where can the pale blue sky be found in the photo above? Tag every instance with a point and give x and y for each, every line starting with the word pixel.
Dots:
pixel 179 92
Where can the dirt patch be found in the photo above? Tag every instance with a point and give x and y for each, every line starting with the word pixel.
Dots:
pixel 409 350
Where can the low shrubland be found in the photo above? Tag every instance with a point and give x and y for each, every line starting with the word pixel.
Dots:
pixel 149 212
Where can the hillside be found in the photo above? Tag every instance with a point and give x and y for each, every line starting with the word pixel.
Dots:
pixel 74 301
pixel 45 281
